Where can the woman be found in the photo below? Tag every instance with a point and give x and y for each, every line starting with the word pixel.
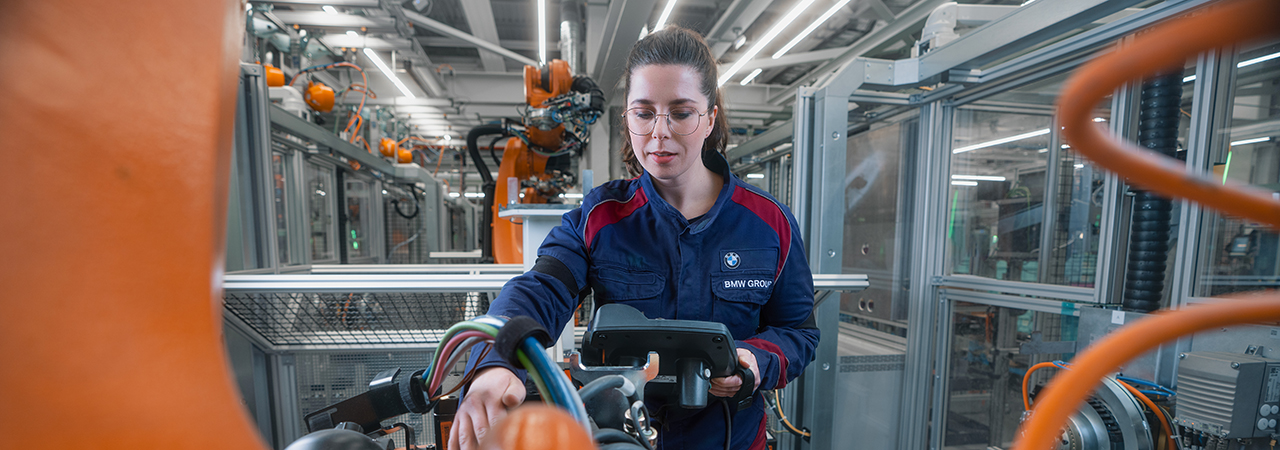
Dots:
pixel 685 239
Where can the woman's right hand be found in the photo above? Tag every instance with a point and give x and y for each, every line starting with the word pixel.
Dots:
pixel 492 393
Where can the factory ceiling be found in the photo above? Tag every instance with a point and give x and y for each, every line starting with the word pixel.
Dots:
pixel 462 60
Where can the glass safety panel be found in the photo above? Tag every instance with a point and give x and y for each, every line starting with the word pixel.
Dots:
pixel 1073 253
pixel 320 213
pixel 358 207
pixel 984 388
pixel 1239 255
pixel 872 342
pixel 280 177
pixel 996 199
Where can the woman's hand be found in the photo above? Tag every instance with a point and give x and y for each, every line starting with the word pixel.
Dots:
pixel 493 391
pixel 728 386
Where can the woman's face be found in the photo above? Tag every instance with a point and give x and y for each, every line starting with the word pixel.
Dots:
pixel 658 90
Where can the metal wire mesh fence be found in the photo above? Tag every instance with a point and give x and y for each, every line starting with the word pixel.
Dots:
pixel 328 378
pixel 365 319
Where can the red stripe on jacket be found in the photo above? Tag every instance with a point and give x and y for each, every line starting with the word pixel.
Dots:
pixel 610 212
pixel 782 359
pixel 770 213
pixel 761 440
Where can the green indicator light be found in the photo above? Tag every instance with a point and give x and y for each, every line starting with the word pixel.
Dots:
pixel 955 197
pixel 353 234
pixel 1227 169
pixel 355 245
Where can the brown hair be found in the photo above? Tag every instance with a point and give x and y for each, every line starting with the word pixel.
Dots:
pixel 677 46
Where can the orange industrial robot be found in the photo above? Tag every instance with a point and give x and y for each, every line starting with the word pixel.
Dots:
pixel 538 151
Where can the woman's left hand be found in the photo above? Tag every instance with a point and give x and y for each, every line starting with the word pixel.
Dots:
pixel 728 386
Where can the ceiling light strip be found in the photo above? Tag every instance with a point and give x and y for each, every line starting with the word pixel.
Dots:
pixel 542 32
pixel 768 37
pixel 387 71
pixel 666 13
pixel 810 28
pixel 1002 141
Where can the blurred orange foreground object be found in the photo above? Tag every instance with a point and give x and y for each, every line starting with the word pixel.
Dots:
pixel 1167 45
pixel 538 427
pixel 113 248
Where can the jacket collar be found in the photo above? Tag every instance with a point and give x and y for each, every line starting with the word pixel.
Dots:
pixel 713 161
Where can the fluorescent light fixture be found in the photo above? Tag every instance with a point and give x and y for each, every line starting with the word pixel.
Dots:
pixel 1259 59
pixel 977 177
pixel 768 37
pixel 810 28
pixel 964 183
pixel 666 12
pixel 752 76
pixel 473 195
pixel 353 34
pixel 739 42
pixel 1065 146
pixel 1099 119
pixel 1043 150
pixel 1251 141
pixel 644 31
pixel 755 176
pixel 387 71
pixel 1002 141
pixel 302 32
pixel 454 194
pixel 329 9
pixel 542 32
pixel 448 137
pixel 1079 166
pixel 1247 63
pixel 571 195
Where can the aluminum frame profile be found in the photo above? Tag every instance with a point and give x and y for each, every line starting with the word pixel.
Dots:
pixel 404 269
pixel 1048 291
pixel 364 283
pixel 1211 110
pixel 1124 107
pixel 1010 301
pixel 927 233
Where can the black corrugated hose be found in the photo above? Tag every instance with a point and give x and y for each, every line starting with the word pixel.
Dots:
pixel 488 187
pixel 1158 119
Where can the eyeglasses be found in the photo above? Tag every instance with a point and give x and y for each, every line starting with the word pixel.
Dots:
pixel 681 121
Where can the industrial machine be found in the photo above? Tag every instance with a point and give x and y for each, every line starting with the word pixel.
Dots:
pixel 614 385
pixel 536 165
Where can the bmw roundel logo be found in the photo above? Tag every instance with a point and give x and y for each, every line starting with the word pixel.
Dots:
pixel 731 260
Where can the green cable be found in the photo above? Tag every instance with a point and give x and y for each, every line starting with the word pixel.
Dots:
pixel 537 378
pixel 448 334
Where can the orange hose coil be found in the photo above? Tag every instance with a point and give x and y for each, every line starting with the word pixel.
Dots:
pixel 1166 46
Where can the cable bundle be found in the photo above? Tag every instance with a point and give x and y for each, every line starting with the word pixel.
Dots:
pixel 526 348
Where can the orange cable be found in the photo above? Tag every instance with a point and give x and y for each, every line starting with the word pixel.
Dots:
pixel 1167 46
pixel 1069 388
pixel 1164 421
pixel 1026 398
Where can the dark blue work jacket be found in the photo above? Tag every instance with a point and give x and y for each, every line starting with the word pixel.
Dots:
pixel 741 264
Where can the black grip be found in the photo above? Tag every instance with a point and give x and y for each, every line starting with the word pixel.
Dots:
pixel 746 393
pixel 515 332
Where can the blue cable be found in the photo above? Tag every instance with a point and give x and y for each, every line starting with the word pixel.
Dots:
pixel 1162 390
pixel 562 392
